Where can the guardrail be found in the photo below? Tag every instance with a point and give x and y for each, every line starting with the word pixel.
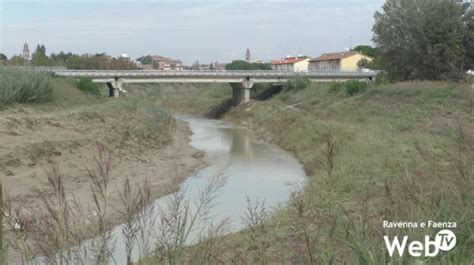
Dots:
pixel 62 71
pixel 217 73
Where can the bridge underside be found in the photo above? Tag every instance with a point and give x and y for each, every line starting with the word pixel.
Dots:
pixel 240 86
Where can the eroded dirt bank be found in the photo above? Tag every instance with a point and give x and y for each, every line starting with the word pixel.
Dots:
pixel 146 143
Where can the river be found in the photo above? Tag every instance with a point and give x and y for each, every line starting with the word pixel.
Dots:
pixel 253 169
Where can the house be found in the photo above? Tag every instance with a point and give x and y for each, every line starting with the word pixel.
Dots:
pixel 165 63
pixel 144 66
pixel 219 66
pixel 291 64
pixel 338 61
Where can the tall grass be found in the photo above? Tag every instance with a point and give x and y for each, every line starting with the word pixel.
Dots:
pixel 19 86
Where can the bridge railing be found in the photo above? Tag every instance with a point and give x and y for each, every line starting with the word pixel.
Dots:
pixel 209 73
pixel 62 71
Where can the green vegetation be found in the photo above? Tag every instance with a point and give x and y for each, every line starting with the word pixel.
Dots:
pixel 18 86
pixel 353 87
pixel 389 152
pixel 39 57
pixel 85 84
pixel 394 152
pixel 243 65
pixel 367 50
pixel 98 61
pixel 297 83
pixel 146 59
pixel 170 96
pixel 425 40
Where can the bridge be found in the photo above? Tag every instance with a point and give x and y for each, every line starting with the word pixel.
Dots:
pixel 240 81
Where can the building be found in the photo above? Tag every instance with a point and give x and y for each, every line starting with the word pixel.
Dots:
pixel 291 64
pixel 219 66
pixel 144 66
pixel 26 53
pixel 338 61
pixel 124 56
pixel 247 56
pixel 165 63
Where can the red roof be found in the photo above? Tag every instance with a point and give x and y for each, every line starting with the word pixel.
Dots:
pixel 333 56
pixel 290 60
pixel 166 59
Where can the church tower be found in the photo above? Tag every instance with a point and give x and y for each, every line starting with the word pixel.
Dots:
pixel 247 56
pixel 26 53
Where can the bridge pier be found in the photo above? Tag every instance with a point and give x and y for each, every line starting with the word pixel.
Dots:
pixel 241 92
pixel 115 87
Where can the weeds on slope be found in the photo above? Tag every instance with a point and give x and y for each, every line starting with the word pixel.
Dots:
pixel 19 86
pixel 54 230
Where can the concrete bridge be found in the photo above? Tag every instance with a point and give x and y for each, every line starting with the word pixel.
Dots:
pixel 240 81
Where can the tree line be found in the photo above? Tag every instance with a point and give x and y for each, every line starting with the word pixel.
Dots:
pixel 70 60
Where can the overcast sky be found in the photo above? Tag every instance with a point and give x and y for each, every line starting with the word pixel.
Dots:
pixel 208 31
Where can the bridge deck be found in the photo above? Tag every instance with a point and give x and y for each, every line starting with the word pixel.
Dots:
pixel 212 74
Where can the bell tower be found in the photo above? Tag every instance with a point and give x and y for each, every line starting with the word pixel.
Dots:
pixel 26 53
pixel 247 56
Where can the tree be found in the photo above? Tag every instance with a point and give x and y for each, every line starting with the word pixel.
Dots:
pixel 146 59
pixel 3 58
pixel 16 60
pixel 39 57
pixel 420 39
pixel 243 65
pixel 367 50
pixel 59 59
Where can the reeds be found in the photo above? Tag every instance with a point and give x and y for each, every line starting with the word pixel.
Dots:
pixel 19 86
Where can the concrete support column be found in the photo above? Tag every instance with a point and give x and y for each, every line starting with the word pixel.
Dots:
pixel 115 87
pixel 241 92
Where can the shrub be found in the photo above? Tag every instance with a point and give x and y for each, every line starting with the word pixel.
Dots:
pixel 382 79
pixel 85 84
pixel 335 87
pixel 19 86
pixel 353 87
pixel 297 83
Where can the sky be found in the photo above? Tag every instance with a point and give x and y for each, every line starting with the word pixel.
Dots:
pixel 189 30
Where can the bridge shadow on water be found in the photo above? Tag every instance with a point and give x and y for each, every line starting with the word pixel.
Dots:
pixel 226 105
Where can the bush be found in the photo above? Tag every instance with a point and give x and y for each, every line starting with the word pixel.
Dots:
pixel 353 87
pixel 382 79
pixel 297 83
pixel 335 87
pixel 19 86
pixel 85 84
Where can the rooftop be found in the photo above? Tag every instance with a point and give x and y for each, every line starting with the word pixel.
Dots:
pixel 290 60
pixel 334 56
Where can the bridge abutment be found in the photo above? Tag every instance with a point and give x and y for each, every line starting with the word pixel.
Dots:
pixel 241 92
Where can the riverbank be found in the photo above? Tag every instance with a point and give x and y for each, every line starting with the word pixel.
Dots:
pixel 396 152
pixel 145 143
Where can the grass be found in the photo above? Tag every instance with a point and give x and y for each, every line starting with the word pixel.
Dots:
pixel 19 86
pixel 85 84
pixel 396 152
pixel 386 152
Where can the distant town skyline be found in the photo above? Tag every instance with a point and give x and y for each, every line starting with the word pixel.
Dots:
pixel 189 30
